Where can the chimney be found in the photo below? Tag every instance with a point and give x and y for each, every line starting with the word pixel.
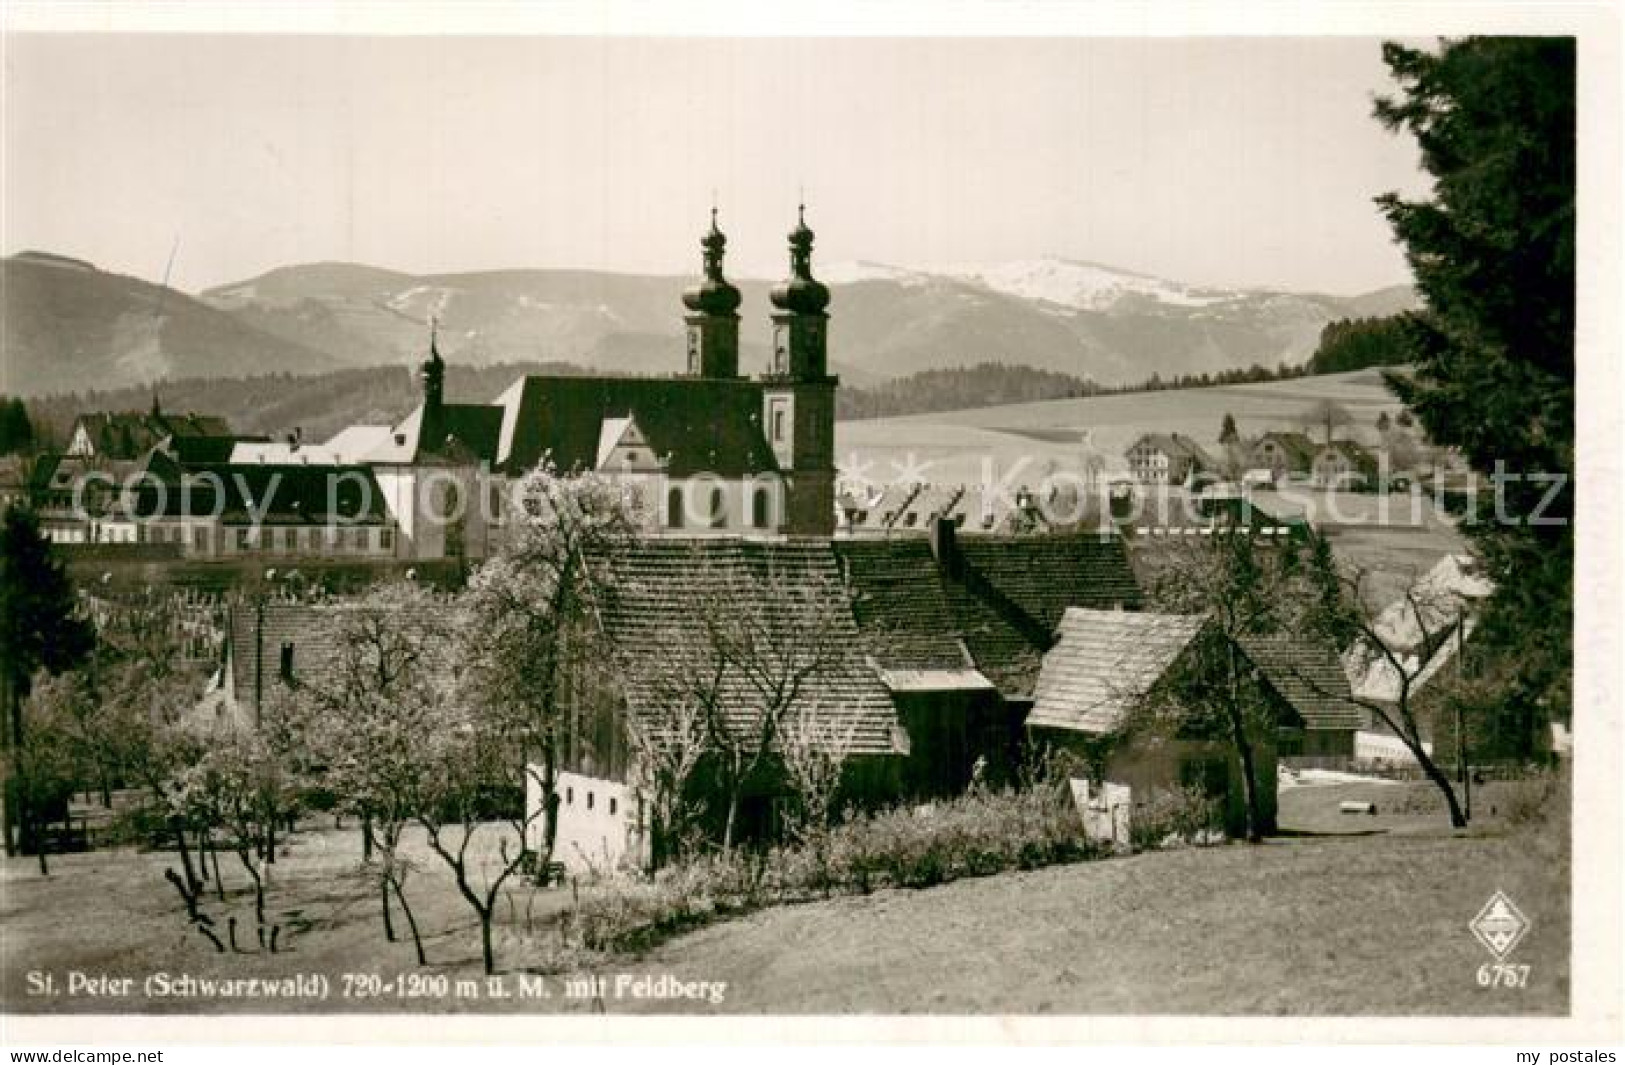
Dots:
pixel 945 544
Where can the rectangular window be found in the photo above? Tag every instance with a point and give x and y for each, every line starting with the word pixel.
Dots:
pixel 290 539
pixel 242 540
pixel 778 425
pixel 386 539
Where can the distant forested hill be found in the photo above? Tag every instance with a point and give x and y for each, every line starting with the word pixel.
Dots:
pixel 319 405
pixel 987 384
pixel 1359 343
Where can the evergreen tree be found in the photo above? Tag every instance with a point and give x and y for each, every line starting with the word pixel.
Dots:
pixel 16 430
pixel 1492 251
pixel 1227 432
pixel 37 627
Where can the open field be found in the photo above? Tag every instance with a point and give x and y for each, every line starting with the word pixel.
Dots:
pixel 1353 915
pixel 955 444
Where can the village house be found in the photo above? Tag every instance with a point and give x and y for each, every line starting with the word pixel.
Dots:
pixel 1115 693
pixel 1284 455
pixel 1167 458
pixel 1310 676
pixel 1343 464
pixel 942 638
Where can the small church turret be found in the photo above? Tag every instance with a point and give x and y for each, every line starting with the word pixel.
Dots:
pixel 713 318
pixel 798 396
pixel 432 375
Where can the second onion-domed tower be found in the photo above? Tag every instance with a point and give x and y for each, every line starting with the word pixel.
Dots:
pixel 798 395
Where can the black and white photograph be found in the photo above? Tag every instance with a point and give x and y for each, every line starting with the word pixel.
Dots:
pixel 505 519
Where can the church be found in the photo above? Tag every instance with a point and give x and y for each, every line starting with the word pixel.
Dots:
pixel 714 452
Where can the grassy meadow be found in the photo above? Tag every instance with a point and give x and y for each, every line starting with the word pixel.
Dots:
pixel 1341 914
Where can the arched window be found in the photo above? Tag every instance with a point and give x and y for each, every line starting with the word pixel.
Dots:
pixel 674 507
pixel 761 502
pixel 719 509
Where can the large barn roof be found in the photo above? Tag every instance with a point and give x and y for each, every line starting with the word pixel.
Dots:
pixel 662 597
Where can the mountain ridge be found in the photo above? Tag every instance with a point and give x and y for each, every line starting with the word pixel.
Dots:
pixel 1089 320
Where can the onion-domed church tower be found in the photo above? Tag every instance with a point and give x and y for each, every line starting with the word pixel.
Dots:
pixel 713 318
pixel 798 395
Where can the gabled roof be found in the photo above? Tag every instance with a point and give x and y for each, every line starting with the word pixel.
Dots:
pixel 461 430
pixel 1300 450
pixel 699 425
pixel 126 434
pixel 1007 595
pixel 1174 445
pixel 903 613
pixel 191 450
pixel 1044 575
pixel 269 493
pixel 656 601
pixel 1308 675
pixel 1105 662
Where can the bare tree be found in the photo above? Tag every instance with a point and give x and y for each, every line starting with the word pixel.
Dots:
pixel 815 747
pixel 1400 658
pixel 763 646
pixel 364 717
pixel 1243 587
pixel 472 787
pixel 1329 415
pixel 666 750
pixel 527 605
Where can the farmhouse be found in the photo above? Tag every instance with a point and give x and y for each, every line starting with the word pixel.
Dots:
pixel 1115 691
pixel 1344 464
pixel 1283 454
pixel 915 657
pixel 271 645
pixel 1167 458
pixel 1310 676
pixel 726 646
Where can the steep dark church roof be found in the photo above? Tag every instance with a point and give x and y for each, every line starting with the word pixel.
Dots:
pixel 699 425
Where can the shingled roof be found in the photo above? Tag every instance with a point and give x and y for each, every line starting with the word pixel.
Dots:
pixel 904 616
pixel 1308 675
pixel 698 425
pixel 1007 595
pixel 1103 664
pixel 654 607
pixel 257 633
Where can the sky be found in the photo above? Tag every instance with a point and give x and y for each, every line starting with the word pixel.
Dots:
pixel 1213 161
